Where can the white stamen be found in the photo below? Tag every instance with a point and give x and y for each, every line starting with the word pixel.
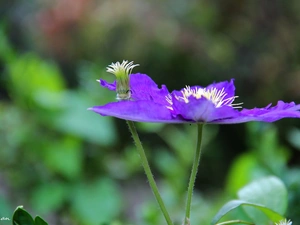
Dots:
pixel 117 67
pixel 284 222
pixel 216 96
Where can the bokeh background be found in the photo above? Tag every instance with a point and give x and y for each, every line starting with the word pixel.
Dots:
pixel 72 166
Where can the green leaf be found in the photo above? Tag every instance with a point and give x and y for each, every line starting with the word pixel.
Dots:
pixel 269 192
pixel 75 119
pixel 34 80
pixel 231 205
pixel 49 197
pixel 22 217
pixel 263 138
pixel 7 53
pixel 294 137
pixel 39 221
pixel 273 156
pixel 97 202
pixel 244 169
pixel 64 157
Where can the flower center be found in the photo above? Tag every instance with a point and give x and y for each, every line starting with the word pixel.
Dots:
pixel 122 71
pixel 216 96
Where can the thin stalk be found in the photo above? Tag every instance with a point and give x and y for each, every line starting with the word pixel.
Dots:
pixel 193 175
pixel 148 172
pixel 235 222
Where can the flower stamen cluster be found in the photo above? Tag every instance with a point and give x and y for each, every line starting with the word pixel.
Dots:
pixel 216 96
pixel 122 71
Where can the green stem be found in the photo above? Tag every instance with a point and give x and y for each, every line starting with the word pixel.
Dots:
pixel 148 172
pixel 193 175
pixel 235 222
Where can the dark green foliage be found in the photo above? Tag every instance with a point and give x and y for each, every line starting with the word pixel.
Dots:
pixel 22 217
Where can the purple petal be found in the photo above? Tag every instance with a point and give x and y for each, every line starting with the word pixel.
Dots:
pixel 267 114
pixel 271 114
pixel 141 111
pixel 110 86
pixel 202 110
pixel 234 120
pixel 228 87
pixel 144 88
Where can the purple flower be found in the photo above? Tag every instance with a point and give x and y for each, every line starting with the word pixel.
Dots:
pixel 195 104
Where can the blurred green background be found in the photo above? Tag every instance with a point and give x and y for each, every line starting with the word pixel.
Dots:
pixel 72 166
